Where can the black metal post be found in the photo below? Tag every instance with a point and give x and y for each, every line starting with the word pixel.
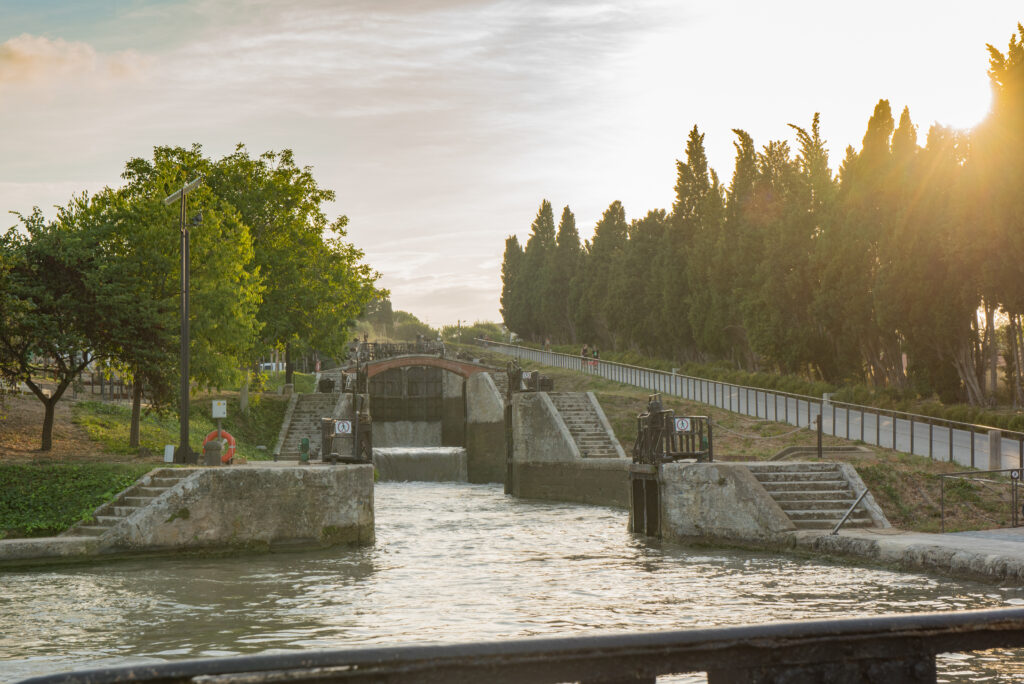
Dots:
pixel 184 453
pixel 819 435
pixel 184 450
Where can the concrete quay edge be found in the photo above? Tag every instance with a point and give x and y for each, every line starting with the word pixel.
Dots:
pixel 948 555
pixel 238 527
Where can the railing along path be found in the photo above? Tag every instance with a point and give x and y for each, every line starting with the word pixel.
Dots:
pixel 936 438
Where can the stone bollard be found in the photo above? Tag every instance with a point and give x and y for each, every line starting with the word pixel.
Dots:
pixel 995 449
pixel 212 453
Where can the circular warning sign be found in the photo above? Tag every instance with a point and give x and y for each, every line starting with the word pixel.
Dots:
pixel 682 424
pixel 1015 474
pixel 343 427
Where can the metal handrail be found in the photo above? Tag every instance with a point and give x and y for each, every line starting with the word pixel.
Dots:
pixel 835 530
pixel 1016 476
pixel 814 650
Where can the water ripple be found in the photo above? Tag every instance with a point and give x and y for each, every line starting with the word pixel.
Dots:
pixel 452 562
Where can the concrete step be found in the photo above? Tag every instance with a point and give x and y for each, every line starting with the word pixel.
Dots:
pixel 108 520
pixel 783 467
pixel 814 476
pixel 149 491
pixel 138 501
pixel 91 530
pixel 814 495
pixel 822 514
pixel 165 482
pixel 821 505
pixel 125 511
pixel 816 485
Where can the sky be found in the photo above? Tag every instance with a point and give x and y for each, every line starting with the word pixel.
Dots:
pixel 443 124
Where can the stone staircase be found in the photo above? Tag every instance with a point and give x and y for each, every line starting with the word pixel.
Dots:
pixel 500 379
pixel 305 422
pixel 815 496
pixel 136 497
pixel 584 425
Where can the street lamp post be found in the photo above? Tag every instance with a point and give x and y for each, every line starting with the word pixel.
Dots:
pixel 184 453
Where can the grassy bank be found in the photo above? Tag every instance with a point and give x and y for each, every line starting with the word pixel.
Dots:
pixel 109 425
pixel 304 382
pixel 906 487
pixel 42 500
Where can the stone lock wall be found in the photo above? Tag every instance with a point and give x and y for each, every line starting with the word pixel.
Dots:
pixel 259 507
pixel 717 500
pixel 485 430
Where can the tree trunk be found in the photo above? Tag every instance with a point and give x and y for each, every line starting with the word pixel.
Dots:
pixel 964 363
pixel 47 441
pixel 133 431
pixel 288 363
pixel 993 351
pixel 243 393
pixel 1018 360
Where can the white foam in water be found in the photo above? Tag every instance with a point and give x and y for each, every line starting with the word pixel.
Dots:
pixel 421 464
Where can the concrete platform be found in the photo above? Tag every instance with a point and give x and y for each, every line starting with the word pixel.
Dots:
pixel 257 506
pixel 992 555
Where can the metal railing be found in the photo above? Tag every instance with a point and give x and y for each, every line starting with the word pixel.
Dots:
pixel 891 648
pixel 936 438
pixel 1015 475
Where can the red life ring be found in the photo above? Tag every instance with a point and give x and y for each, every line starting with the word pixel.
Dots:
pixel 229 453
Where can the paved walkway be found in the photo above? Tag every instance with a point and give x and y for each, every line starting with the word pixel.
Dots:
pixel 992 555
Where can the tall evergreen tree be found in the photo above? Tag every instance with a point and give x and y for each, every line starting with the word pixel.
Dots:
pixel 513 302
pixel 597 308
pixel 536 276
pixel 566 260
pixel 697 201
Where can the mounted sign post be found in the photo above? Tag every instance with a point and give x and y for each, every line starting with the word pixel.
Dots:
pixel 184 454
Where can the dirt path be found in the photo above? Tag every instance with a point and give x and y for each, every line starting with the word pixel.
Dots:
pixel 21 430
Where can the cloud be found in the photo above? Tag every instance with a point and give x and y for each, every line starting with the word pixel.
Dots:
pixel 29 59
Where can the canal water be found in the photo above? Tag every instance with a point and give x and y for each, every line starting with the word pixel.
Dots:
pixel 452 563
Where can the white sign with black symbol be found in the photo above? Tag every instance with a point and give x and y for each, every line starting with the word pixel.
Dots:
pixel 343 427
pixel 682 424
pixel 1015 474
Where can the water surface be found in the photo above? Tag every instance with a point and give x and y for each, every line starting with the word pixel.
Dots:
pixel 452 563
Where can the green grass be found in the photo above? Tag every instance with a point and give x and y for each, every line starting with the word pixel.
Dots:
pixel 42 500
pixel 304 382
pixel 109 424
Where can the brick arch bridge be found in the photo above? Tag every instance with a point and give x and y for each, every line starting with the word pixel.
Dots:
pixel 462 368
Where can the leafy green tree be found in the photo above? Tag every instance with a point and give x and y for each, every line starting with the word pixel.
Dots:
pixel 225 291
pixel 794 201
pixel 848 258
pixel 52 307
pixel 380 315
pixel 635 291
pixel 316 286
pixel 408 327
pixel 996 170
